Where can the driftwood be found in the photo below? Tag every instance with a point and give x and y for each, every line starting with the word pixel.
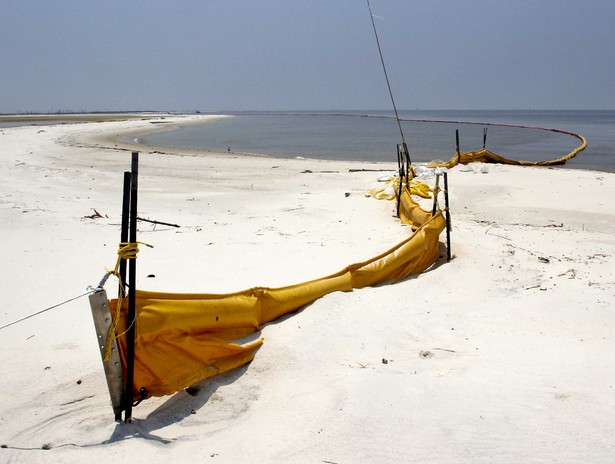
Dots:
pixel 157 222
pixel 309 171
pixel 96 215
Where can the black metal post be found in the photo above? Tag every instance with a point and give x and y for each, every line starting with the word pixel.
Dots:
pixel 448 218
pixel 132 278
pixel 484 137
pixel 124 232
pixel 121 293
pixel 457 146
pixel 407 162
pixel 400 170
pixel 436 190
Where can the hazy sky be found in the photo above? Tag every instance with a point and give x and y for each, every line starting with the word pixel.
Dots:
pixel 217 55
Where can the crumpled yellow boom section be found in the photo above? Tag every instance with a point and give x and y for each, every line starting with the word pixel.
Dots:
pixel 487 156
pixel 184 338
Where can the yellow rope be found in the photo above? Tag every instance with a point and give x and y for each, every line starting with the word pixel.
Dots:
pixel 126 250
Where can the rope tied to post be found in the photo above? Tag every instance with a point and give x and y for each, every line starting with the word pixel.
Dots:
pixel 126 250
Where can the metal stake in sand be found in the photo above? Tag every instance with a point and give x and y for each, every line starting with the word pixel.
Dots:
pixel 400 171
pixel 103 321
pixel 124 239
pixel 436 191
pixel 403 164
pixel 448 218
pixel 457 146
pixel 124 231
pixel 132 278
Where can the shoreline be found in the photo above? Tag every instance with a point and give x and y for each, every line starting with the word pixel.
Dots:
pixel 84 117
pixel 506 340
pixel 161 122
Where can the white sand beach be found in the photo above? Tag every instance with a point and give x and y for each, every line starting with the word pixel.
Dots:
pixel 502 355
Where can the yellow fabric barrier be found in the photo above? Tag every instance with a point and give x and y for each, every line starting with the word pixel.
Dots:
pixel 486 156
pixel 389 192
pixel 184 338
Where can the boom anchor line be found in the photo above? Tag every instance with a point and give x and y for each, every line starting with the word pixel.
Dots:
pixel 403 156
pixel 404 163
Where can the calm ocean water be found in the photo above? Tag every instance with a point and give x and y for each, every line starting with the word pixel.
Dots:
pixel 353 136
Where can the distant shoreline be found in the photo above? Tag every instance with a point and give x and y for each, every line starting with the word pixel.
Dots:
pixel 595 158
pixel 78 117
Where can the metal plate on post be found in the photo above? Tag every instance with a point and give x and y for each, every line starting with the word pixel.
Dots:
pixel 113 366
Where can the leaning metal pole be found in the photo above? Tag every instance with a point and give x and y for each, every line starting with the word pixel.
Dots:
pixel 386 75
